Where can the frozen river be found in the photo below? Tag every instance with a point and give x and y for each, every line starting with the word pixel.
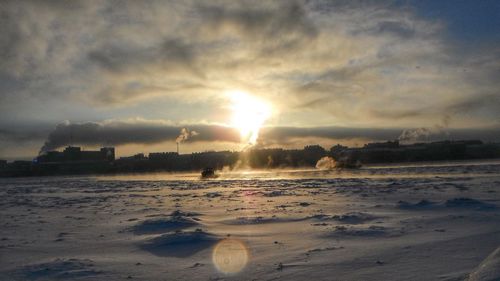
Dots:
pixel 396 222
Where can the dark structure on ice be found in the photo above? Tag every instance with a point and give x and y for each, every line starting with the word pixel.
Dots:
pixel 208 173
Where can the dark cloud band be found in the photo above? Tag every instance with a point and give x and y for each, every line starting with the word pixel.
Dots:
pixel 150 132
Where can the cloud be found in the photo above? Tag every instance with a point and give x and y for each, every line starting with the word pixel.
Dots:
pixel 133 131
pixel 329 132
pixel 21 136
pixel 171 55
pixel 262 21
pixel 270 29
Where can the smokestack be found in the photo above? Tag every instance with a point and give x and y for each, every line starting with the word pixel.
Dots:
pixel 71 136
pixel 184 135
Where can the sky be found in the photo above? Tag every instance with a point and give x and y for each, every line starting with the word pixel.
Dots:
pixel 133 74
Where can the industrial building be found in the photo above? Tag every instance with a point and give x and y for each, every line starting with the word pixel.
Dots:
pixel 76 154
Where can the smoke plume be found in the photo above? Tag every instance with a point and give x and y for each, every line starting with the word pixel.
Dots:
pixel 185 135
pixel 413 135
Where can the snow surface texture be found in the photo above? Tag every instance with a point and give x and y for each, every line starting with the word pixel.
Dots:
pixel 489 269
pixel 400 222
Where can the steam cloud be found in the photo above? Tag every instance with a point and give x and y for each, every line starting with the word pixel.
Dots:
pixel 412 135
pixel 326 163
pixel 185 135
pixel 423 134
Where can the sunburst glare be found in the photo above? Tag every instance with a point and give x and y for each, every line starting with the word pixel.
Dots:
pixel 249 115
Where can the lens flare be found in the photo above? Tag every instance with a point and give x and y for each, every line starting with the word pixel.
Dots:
pixel 249 114
pixel 230 256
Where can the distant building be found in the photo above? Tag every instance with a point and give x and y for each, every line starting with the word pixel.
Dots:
pixel 138 156
pixel 457 142
pixel 109 153
pixel 20 164
pixel 50 156
pixel 76 154
pixel 387 144
pixel 3 164
pixel 338 148
pixel 162 156
pixel 72 153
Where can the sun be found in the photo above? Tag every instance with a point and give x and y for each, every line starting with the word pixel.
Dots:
pixel 249 114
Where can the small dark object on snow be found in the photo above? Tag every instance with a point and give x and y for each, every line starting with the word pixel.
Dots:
pixel 208 173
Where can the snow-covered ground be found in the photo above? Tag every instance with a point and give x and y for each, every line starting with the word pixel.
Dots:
pixel 394 222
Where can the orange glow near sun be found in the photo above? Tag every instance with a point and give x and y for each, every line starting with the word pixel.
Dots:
pixel 249 115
